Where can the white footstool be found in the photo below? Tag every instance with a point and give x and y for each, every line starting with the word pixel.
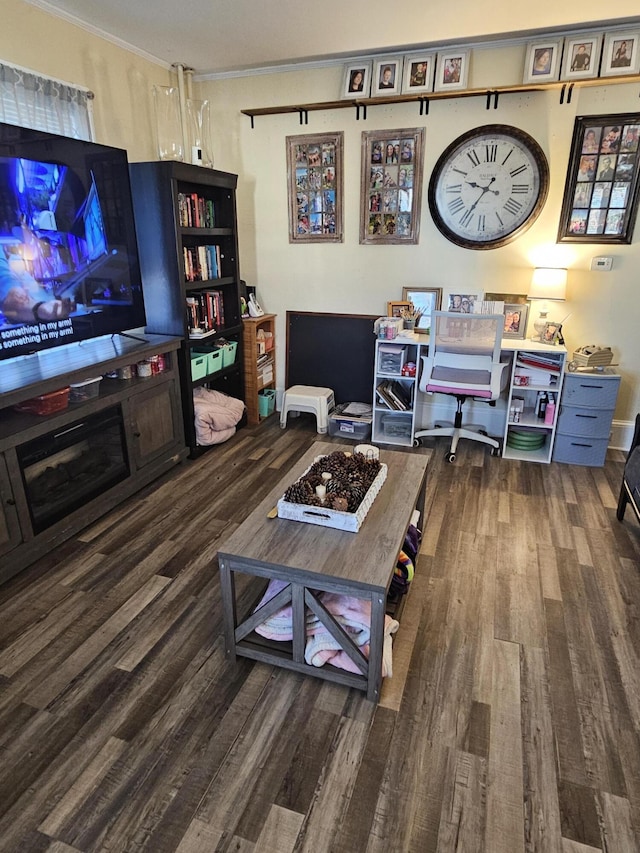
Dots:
pixel 308 398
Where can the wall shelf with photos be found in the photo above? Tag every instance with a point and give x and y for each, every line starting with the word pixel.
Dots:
pixel 492 95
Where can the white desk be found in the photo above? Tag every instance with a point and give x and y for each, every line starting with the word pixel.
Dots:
pixel 399 427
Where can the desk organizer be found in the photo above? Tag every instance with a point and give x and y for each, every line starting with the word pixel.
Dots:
pixel 325 517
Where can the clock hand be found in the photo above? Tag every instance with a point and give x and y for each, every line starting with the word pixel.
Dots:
pixel 484 189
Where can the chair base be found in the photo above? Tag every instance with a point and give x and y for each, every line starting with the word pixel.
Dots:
pixel 456 433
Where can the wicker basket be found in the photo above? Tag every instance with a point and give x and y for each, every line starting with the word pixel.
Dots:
pixel 349 521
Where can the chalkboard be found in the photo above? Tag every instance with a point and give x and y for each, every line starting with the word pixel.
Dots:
pixel 333 351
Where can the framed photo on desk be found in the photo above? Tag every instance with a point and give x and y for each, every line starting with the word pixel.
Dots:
pixel 425 299
pixel 516 316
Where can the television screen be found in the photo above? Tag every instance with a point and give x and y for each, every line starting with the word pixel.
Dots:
pixel 69 267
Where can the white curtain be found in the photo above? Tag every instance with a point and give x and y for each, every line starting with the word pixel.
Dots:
pixel 42 103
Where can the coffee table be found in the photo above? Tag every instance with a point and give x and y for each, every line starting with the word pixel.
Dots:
pixel 314 559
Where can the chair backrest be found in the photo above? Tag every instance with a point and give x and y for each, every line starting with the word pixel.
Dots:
pixel 466 334
pixel 464 355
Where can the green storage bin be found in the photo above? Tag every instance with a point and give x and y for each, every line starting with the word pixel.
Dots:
pixel 199 365
pixel 266 402
pixel 229 353
pixel 213 358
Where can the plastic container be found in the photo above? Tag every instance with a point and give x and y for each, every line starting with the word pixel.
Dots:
pixel 80 392
pixel 353 428
pixel 266 402
pixel 229 353
pixel 46 404
pixel 199 363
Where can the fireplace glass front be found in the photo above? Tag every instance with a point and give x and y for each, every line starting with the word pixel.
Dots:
pixel 63 470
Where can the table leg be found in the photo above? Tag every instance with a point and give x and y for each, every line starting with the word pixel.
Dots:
pixel 375 650
pixel 229 616
pixel 298 622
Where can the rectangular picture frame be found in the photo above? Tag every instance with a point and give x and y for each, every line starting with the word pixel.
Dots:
pixel 452 70
pixel 463 303
pixel 542 62
pixel 551 333
pixel 394 309
pixel 425 299
pixel 581 59
pixel 356 81
pixel 600 201
pixel 516 317
pixel 387 76
pixel 315 187
pixel 418 72
pixel 621 53
pixel 391 185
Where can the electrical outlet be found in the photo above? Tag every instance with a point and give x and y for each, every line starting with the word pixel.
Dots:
pixel 601 264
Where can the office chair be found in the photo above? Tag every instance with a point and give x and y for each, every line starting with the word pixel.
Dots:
pixel 463 361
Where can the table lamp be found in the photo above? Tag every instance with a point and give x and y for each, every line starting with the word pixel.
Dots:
pixel 548 284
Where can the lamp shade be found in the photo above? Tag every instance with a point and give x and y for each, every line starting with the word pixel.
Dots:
pixel 549 283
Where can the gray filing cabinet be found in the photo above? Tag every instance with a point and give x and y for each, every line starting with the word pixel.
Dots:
pixel 586 411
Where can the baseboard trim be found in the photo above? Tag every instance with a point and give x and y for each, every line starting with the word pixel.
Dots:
pixel 621 435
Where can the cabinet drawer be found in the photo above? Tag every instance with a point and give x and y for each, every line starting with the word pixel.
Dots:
pixel 580 451
pixel 580 390
pixel 586 422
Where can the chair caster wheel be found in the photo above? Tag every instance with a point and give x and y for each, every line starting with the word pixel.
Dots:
pixel 495 451
pixel 417 442
pixel 450 457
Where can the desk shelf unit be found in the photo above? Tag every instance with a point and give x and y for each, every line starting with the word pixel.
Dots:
pixel 542 369
pixel 394 395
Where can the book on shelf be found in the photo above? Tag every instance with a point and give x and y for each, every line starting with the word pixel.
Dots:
pixel 201 263
pixel 394 395
pixel 205 310
pixel 194 211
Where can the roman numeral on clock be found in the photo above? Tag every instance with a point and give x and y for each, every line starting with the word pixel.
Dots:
pixel 455 205
pixel 473 157
pixel 454 188
pixel 491 153
pixel 517 171
pixel 512 206
pixel 520 188
pixel 466 218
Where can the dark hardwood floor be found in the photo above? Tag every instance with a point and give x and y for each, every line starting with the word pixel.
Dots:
pixel 511 723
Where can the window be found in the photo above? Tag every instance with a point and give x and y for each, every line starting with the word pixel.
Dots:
pixel 42 103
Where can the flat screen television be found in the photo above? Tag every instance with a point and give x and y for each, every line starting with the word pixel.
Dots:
pixel 69 267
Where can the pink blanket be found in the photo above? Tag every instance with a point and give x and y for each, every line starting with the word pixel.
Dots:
pixel 215 415
pixel 352 614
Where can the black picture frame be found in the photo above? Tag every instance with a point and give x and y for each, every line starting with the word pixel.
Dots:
pixel 600 201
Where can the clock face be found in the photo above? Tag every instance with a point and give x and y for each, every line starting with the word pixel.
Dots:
pixel 488 186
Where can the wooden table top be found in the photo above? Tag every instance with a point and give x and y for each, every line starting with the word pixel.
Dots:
pixel 364 559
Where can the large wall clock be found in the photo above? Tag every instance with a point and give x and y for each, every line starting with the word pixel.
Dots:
pixel 488 186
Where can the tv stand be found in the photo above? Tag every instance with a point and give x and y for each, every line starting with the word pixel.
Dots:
pixel 133 337
pixel 140 417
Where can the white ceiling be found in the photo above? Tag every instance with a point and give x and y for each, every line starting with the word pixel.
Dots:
pixel 218 37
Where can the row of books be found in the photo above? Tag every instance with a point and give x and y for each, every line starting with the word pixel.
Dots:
pixel 205 310
pixel 540 361
pixel 201 263
pixel 194 211
pixel 395 395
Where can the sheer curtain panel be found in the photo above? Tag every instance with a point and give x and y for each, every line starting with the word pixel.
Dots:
pixel 30 100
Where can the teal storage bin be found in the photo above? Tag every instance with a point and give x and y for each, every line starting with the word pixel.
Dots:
pixel 199 365
pixel 229 353
pixel 213 358
pixel 266 402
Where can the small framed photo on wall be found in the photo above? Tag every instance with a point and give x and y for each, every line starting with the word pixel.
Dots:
pixel 357 80
pixel 452 70
pixel 620 54
pixel 387 76
pixel 418 72
pixel 314 177
pixel 391 185
pixel 542 64
pixel 581 57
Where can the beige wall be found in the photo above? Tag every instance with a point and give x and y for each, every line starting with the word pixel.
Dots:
pixel 348 277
